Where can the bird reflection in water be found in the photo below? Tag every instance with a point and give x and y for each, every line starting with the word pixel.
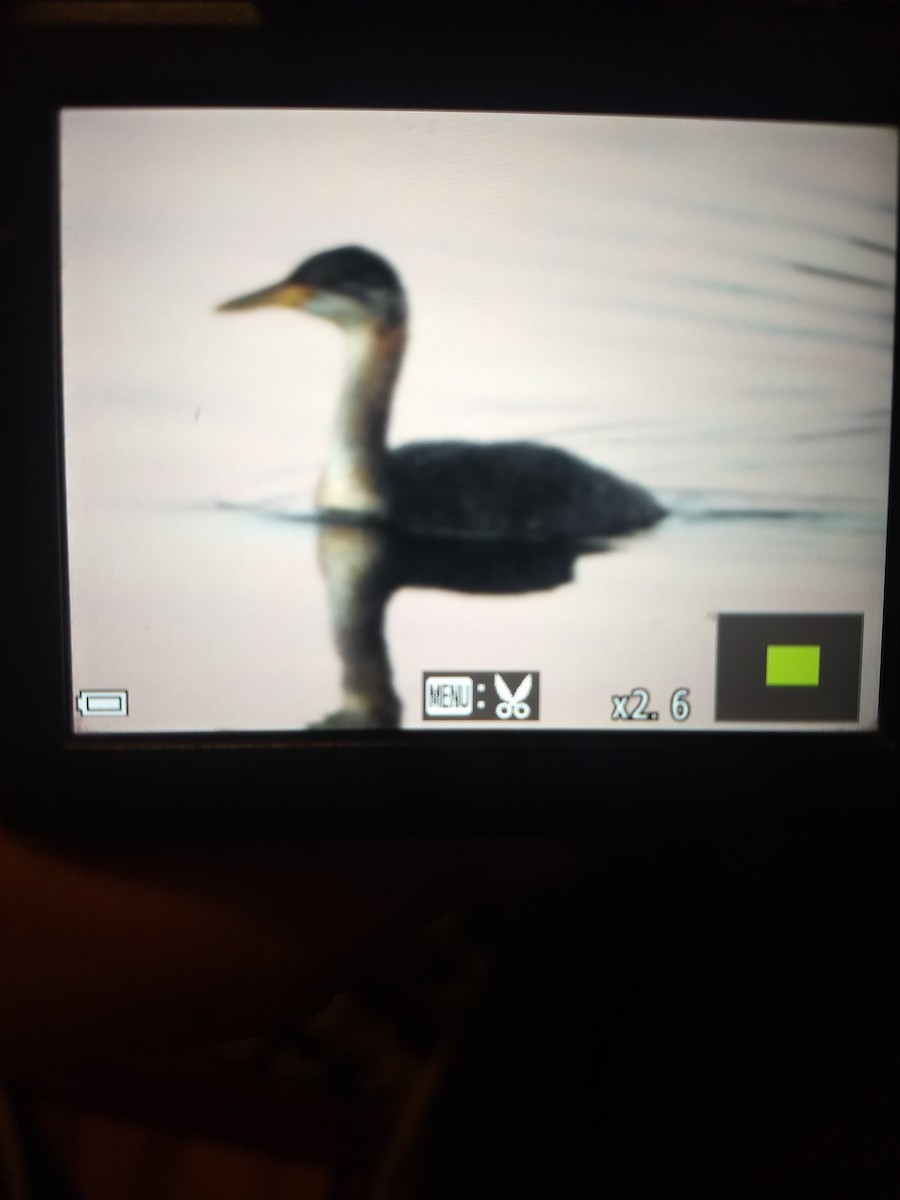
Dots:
pixel 363 565
pixel 501 517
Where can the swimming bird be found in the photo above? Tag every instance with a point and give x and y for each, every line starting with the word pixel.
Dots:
pixel 511 490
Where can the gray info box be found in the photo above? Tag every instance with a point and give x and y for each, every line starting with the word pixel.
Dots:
pixel 788 666
pixel 509 697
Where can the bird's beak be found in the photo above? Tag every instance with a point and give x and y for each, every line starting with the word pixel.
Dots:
pixel 282 295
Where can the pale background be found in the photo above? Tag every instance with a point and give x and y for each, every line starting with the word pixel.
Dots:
pixel 705 308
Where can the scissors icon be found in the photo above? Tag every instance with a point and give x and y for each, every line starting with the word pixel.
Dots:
pixel 513 705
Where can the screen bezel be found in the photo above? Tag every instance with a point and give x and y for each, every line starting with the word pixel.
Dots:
pixel 443 779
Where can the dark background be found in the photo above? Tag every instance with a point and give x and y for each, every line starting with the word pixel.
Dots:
pixel 711 1008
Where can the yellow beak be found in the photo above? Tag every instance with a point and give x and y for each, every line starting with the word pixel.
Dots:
pixel 282 295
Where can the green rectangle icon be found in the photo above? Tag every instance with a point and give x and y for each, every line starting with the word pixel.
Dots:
pixel 792 666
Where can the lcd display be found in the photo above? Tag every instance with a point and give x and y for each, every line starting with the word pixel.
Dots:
pixel 440 420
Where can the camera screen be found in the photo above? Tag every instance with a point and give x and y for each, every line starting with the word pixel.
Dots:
pixel 436 420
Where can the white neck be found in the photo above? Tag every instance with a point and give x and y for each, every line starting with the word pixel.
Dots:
pixel 353 480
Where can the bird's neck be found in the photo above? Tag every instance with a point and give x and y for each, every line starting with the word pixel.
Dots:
pixel 353 480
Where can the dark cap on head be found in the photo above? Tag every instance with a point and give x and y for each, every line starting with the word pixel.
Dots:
pixel 350 271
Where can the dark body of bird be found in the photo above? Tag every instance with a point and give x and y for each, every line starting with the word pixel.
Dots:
pixel 510 490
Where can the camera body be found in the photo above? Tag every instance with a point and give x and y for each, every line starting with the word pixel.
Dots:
pixel 572 208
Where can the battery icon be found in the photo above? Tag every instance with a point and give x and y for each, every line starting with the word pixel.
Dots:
pixel 106 703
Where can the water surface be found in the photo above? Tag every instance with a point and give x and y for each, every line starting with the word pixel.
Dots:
pixel 705 309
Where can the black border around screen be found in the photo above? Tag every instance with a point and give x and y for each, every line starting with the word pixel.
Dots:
pixel 749 61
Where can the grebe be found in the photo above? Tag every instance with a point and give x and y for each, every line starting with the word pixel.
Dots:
pixel 516 490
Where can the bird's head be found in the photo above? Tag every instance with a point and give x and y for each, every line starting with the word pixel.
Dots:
pixel 350 286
